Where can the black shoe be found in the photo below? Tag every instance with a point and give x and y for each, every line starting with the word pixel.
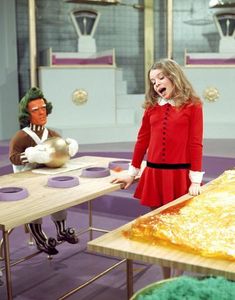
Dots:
pixel 69 236
pixel 49 246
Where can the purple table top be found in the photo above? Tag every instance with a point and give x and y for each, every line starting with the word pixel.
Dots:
pixel 13 193
pixel 63 181
pixel 95 172
pixel 119 165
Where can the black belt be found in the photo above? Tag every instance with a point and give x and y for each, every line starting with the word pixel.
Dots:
pixel 168 166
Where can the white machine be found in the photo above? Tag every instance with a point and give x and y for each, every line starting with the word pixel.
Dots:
pixel 224 17
pixel 85 22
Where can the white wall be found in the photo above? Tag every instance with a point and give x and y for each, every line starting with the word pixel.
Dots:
pixel 219 120
pixel 109 115
pixel 59 84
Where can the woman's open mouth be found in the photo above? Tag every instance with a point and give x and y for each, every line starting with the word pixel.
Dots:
pixel 162 91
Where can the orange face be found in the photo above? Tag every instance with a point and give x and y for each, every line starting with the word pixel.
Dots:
pixel 37 111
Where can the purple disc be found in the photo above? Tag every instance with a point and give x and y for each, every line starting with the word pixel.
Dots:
pixel 95 172
pixel 63 181
pixel 13 193
pixel 119 165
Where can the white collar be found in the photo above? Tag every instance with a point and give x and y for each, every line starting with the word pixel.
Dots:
pixel 162 101
pixel 34 136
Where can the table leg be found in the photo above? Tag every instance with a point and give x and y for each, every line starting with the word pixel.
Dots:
pixel 1 246
pixel 90 220
pixel 129 279
pixel 7 263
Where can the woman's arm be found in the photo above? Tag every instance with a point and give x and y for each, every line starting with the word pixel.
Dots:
pixel 195 148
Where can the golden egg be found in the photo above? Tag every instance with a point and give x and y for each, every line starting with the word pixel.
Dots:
pixel 59 152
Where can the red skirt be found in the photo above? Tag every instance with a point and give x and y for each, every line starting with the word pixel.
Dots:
pixel 157 187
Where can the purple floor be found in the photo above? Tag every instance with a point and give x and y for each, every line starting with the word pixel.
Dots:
pixel 42 279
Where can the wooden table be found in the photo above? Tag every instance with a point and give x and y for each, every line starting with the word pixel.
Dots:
pixel 115 244
pixel 44 200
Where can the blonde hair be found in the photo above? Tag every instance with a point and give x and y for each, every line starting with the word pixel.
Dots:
pixel 183 91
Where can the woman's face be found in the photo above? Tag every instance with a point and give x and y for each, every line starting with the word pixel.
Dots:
pixel 161 84
pixel 37 112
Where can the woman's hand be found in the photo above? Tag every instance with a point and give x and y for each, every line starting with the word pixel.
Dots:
pixel 126 181
pixel 195 189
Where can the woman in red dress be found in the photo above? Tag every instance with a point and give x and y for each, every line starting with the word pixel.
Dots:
pixel 171 138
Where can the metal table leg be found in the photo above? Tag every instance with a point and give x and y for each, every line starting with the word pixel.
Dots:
pixel 7 263
pixel 129 279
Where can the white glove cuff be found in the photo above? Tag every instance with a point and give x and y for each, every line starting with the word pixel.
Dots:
pixel 196 176
pixel 132 171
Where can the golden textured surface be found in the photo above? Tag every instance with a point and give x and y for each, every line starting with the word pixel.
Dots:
pixel 204 224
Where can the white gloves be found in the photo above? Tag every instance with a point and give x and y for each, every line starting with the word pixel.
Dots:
pixel 73 146
pixel 41 154
pixel 196 179
pixel 38 154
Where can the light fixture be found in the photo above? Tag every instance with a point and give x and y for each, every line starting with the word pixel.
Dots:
pixel 221 3
pixel 105 3
pixel 95 2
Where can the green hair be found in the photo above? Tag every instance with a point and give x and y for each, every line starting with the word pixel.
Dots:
pixel 32 94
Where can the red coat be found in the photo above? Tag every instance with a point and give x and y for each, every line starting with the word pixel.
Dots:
pixel 168 135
